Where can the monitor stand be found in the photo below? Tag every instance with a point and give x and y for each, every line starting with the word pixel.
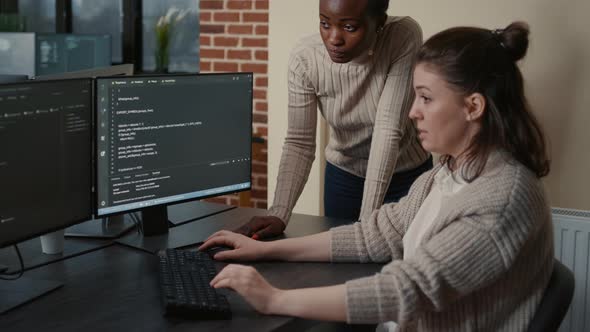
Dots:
pixel 162 237
pixel 154 220
pixel 186 212
pixel 14 293
pixel 105 228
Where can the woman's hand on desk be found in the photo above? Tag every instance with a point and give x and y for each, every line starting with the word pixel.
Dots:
pixel 247 282
pixel 244 248
pixel 261 227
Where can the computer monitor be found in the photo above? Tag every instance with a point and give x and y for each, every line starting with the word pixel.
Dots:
pixel 45 157
pixel 59 53
pixel 125 69
pixel 113 226
pixel 45 168
pixel 17 53
pixel 167 139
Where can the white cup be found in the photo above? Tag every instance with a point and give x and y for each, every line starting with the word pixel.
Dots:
pixel 53 243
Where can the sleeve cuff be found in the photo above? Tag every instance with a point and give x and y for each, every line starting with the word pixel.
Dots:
pixel 362 299
pixel 343 244
pixel 280 213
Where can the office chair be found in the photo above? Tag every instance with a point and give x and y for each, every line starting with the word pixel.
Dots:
pixel 556 300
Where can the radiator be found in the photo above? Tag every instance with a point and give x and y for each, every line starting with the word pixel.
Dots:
pixel 572 248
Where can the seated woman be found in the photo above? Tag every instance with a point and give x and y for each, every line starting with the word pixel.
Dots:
pixel 471 246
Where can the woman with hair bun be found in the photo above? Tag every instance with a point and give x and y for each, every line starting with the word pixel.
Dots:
pixel 470 248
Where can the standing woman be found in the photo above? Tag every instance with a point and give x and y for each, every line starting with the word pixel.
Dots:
pixel 358 71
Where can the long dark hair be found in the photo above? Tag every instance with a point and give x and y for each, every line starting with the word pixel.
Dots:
pixel 377 8
pixel 475 60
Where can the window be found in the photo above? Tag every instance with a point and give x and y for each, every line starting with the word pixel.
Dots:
pixel 184 43
pixel 40 15
pixel 132 40
pixel 105 16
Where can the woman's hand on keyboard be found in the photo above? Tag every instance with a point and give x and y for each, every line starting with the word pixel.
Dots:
pixel 241 247
pixel 247 282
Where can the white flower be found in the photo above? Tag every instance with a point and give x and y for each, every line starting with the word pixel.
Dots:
pixel 171 12
pixel 181 15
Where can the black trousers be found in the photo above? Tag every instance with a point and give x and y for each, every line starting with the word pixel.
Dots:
pixel 343 192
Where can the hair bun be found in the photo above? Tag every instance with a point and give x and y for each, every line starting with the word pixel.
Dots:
pixel 515 39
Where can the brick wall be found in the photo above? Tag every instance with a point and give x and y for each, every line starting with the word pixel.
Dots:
pixel 234 37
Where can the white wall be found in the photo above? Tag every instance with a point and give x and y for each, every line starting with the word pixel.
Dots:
pixel 290 20
pixel 556 71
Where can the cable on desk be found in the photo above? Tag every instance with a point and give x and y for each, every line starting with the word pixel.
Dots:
pixel 22 267
pixel 137 222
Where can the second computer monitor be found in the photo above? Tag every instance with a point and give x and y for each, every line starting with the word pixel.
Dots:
pixel 167 139
pixel 60 53
pixel 45 157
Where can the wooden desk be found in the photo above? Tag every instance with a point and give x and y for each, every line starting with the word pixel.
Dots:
pixel 116 288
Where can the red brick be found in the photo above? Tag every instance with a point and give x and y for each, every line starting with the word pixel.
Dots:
pixel 262 29
pixel 226 41
pixel 257 193
pixel 205 17
pixel 260 118
pixel 254 42
pixel 211 4
pixel 239 4
pixel 225 66
pixel 261 55
pixel 261 4
pixel 259 169
pixel 259 68
pixel 220 199
pixel 239 54
pixel 234 201
pixel 255 17
pixel 259 94
pixel 261 81
pixel 262 181
pixel 260 204
pixel 226 17
pixel 205 66
pixel 212 28
pixel 261 131
pixel 240 29
pixel 261 157
pixel 261 106
pixel 214 53
pixel 205 40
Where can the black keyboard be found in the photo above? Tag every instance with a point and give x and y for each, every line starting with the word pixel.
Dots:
pixel 184 282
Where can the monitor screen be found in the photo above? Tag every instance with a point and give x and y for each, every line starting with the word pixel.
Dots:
pixel 45 157
pixel 17 53
pixel 60 53
pixel 167 139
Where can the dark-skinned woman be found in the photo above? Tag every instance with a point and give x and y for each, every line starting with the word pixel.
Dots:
pixel 357 71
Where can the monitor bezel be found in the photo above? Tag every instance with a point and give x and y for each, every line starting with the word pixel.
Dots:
pixel 147 76
pixel 92 147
